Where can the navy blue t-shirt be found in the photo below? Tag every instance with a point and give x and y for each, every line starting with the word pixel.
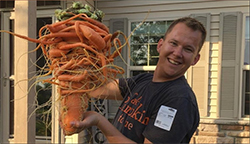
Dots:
pixel 142 100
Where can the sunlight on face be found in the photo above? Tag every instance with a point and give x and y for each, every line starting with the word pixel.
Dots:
pixel 177 52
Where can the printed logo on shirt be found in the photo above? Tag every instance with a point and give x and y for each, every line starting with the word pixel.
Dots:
pixel 165 117
pixel 137 113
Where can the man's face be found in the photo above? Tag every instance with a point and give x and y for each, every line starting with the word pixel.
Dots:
pixel 177 52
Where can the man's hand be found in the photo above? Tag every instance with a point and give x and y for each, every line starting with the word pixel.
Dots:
pixel 90 118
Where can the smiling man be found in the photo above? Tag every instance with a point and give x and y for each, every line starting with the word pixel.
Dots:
pixel 178 51
pixel 159 107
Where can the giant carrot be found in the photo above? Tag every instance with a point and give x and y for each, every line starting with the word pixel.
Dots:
pixel 78 51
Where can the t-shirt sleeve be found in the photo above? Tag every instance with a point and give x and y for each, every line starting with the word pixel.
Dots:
pixel 125 84
pixel 181 129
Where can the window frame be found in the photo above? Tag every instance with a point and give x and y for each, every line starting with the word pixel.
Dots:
pixel 149 68
pixel 242 74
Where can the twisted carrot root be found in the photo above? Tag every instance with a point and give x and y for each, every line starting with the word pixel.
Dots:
pixel 80 57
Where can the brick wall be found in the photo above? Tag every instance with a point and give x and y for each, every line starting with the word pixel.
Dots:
pixel 221 133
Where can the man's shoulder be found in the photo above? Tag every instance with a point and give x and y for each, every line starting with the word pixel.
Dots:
pixel 181 90
pixel 142 77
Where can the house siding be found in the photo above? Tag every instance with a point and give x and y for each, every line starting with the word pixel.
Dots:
pixel 213 80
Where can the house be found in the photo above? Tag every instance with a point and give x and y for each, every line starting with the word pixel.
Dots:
pixel 221 78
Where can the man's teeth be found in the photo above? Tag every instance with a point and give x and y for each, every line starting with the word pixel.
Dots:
pixel 173 62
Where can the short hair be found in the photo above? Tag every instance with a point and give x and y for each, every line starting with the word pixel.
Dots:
pixel 191 23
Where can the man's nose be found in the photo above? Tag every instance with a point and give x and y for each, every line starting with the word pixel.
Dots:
pixel 178 52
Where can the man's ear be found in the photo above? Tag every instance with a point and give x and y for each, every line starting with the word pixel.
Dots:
pixel 159 45
pixel 196 59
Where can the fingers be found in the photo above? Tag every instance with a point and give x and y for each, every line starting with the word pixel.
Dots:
pixel 90 119
pixel 78 125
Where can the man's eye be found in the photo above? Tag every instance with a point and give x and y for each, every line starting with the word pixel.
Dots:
pixel 173 43
pixel 189 49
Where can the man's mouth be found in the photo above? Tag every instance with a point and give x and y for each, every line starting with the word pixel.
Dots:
pixel 173 62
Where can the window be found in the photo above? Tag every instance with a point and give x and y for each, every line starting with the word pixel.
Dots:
pixel 48 3
pixel 11 88
pixel 143 43
pixel 6 3
pixel 43 112
pixel 43 90
pixel 246 71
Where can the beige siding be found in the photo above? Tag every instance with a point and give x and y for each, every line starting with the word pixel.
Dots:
pixel 198 86
pixel 214 60
pixel 213 80
pixel 214 37
pixel 137 10
pixel 213 64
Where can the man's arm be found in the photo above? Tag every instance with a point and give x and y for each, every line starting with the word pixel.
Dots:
pixel 108 91
pixel 146 141
pixel 92 118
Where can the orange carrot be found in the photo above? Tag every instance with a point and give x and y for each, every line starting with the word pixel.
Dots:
pixel 75 78
pixel 72 108
pixel 74 45
pixel 56 52
pixel 64 67
pixel 95 22
pixel 56 29
pixel 118 48
pixel 92 26
pixel 22 36
pixel 79 54
pixel 93 37
pixel 60 34
pixel 72 85
pixel 103 62
pixel 107 38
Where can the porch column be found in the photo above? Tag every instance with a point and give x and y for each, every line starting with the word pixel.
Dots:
pixel 25 24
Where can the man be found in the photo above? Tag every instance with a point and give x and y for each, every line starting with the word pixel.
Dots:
pixel 159 107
